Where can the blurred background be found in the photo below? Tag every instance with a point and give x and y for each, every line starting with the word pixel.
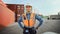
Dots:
pixel 10 11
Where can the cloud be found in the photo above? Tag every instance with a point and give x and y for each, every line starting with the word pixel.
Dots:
pixel 45 7
pixel 56 2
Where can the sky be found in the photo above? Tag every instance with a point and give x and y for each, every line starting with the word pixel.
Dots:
pixel 44 7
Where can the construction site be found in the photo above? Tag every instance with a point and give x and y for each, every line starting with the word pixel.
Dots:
pixel 10 13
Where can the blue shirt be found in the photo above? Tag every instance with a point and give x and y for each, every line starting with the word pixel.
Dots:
pixel 28 17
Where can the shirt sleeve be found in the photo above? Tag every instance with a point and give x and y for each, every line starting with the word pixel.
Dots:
pixel 39 18
pixel 19 22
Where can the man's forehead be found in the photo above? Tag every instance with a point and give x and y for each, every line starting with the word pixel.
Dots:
pixel 28 6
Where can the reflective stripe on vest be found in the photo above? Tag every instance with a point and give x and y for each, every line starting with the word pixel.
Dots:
pixel 29 23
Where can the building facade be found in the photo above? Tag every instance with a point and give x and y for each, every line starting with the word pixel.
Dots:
pixel 18 9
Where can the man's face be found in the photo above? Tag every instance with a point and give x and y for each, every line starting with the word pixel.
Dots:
pixel 28 9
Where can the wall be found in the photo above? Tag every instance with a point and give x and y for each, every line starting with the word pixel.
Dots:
pixel 7 17
pixel 18 9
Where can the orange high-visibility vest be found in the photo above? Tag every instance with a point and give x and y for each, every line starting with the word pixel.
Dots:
pixel 29 23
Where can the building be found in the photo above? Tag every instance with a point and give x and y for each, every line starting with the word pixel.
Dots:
pixel 55 17
pixel 18 9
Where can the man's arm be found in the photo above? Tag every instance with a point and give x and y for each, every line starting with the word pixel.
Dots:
pixel 19 22
pixel 39 18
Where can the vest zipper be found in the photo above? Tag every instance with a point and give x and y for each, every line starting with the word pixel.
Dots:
pixel 28 23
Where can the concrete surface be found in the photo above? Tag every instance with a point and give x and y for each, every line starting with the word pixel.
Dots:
pixel 47 26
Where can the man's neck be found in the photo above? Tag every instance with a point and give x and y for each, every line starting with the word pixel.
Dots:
pixel 28 12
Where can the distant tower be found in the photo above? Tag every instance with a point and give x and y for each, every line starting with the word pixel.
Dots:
pixel 58 13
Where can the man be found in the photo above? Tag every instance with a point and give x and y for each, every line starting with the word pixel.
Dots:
pixel 28 20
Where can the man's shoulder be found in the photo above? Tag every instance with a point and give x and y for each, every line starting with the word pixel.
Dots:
pixel 37 15
pixel 33 13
